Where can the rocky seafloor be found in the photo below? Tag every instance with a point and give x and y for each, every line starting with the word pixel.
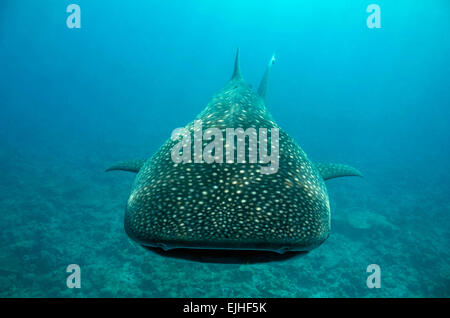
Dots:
pixel 63 209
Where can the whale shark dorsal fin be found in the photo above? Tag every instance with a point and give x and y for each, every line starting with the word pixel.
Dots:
pixel 262 90
pixel 237 66
pixel 336 170
pixel 128 165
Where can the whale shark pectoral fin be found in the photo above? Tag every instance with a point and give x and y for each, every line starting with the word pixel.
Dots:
pixel 128 165
pixel 336 170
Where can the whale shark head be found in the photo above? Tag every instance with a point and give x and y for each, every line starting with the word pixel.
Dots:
pixel 254 190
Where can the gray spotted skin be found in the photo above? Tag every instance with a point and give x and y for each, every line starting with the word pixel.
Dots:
pixel 230 205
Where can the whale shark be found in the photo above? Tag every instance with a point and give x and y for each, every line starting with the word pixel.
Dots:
pixel 231 206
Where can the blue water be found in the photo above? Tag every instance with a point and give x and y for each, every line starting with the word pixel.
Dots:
pixel 74 101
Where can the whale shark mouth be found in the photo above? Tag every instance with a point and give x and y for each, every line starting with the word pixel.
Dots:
pixel 169 247
pixel 225 256
pixel 195 249
pixel 225 247
pixel 152 226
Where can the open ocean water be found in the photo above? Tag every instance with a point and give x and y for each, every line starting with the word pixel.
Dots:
pixel 75 101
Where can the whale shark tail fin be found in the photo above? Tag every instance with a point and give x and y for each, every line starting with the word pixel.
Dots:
pixel 237 66
pixel 128 165
pixel 336 170
pixel 262 90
